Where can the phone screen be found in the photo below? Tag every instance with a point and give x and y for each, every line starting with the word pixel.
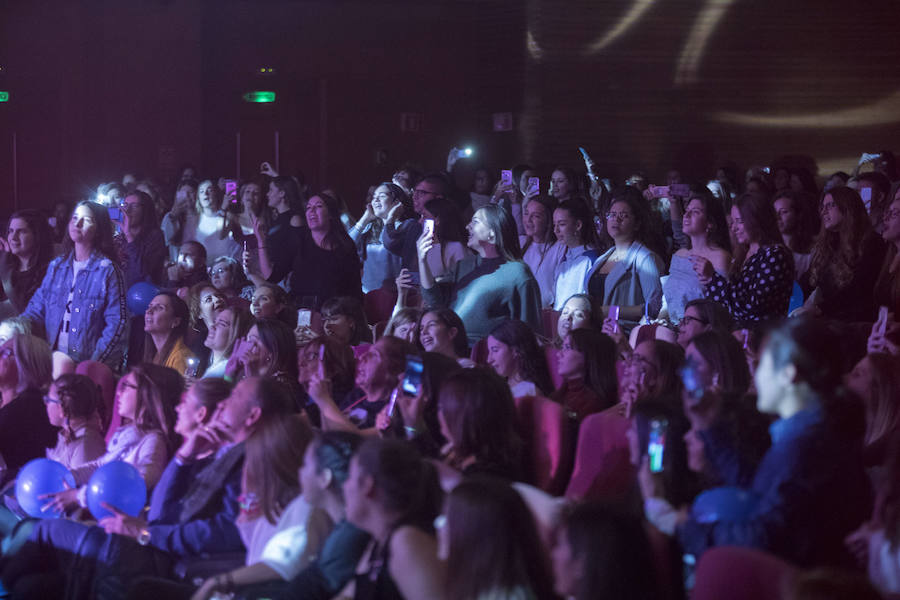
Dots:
pixel 412 378
pixel 392 403
pixel 231 188
pixel 428 227
pixel 691 381
pixel 656 444
pixel 506 177
pixel 534 185
pixel 193 366
pixel 882 320
pixel 115 213
pixel 304 318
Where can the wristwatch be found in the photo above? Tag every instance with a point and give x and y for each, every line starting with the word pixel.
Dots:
pixel 143 538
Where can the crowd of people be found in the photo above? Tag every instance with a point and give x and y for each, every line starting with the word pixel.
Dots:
pixel 507 385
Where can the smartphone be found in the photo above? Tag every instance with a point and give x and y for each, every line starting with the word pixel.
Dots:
pixel 659 191
pixel 534 185
pixel 115 213
pixel 51 221
pixel 506 177
pixel 866 195
pixel 392 403
pixel 767 169
pixel 584 155
pixel 681 190
pixel 613 314
pixel 231 189
pixel 193 366
pixel 881 323
pixel 412 378
pixel 691 381
pixel 304 318
pixel 656 444
pixel 464 152
pixel 428 227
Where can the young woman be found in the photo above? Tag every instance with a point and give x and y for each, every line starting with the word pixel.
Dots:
pixel 379 264
pixel 887 287
pixel 324 470
pixel 270 301
pixel 704 225
pixel 405 324
pixel 141 242
pixel 345 320
pixel 72 402
pixel 449 234
pixel 145 397
pixel 477 418
pixel 539 248
pixel 25 253
pixel 323 355
pixel 443 331
pixel 211 231
pixel 579 311
pixel 269 350
pixel 489 287
pixel 587 365
pixel 166 323
pixel 394 495
pixel 627 275
pixel 566 184
pixel 578 240
pixel 846 259
pixel 491 544
pixel 199 403
pixel 323 242
pixel 377 374
pixel 875 379
pixel 802 513
pixel 25 371
pixel 81 301
pixel 231 325
pixel 582 566
pixel 798 223
pixel 246 213
pixel 514 354
pixel 758 289
pixel 228 278
pixel 703 315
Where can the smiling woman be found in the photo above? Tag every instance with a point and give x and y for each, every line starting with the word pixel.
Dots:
pixel 25 253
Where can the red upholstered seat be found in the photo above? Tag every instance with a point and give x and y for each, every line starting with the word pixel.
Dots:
pixel 379 304
pixel 550 442
pixel 603 469
pixel 741 574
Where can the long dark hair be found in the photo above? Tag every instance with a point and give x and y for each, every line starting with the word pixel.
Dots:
pixel 760 221
pixel 337 237
pixel 180 311
pixel 273 456
pixel 808 221
pixel 715 216
pixel 278 338
pixel 494 546
pixel 506 234
pixel 549 204
pixel 599 363
pixel 615 551
pixel 451 320
pixel 480 414
pixel 158 391
pixel 726 358
pixel 647 228
pixel 79 398
pixel 103 238
pixel 43 237
pixel 292 194
pixel 837 253
pixel 352 308
pixel 333 451
pixel 579 210
pixel 531 364
pixel 406 484
pixel 372 235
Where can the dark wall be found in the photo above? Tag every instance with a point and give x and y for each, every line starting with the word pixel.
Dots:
pixel 101 87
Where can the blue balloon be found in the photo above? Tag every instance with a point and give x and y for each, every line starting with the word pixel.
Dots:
pixel 139 297
pixel 118 484
pixel 38 477
pixel 723 504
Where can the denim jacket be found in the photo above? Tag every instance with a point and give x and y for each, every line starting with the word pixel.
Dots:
pixel 98 329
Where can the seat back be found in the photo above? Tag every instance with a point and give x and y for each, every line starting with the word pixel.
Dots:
pixel 741 574
pixel 549 442
pixel 379 304
pixel 602 470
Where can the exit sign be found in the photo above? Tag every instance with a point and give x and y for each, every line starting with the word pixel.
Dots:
pixel 4 96
pixel 259 97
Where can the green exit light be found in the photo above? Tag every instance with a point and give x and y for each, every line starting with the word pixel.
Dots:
pixel 259 97
pixel 4 96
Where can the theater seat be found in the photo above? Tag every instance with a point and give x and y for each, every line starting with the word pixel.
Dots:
pixel 104 377
pixel 379 304
pixel 603 470
pixel 549 442
pixel 741 574
pixel 549 320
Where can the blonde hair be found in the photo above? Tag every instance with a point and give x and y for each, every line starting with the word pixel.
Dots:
pixel 34 361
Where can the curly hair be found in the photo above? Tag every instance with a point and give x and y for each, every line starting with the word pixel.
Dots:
pixel 836 253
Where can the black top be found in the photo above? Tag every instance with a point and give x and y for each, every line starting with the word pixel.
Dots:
pixel 362 410
pixel 855 301
pixel 25 432
pixel 377 583
pixel 333 569
pixel 19 286
pixel 279 241
pixel 316 272
pixel 597 284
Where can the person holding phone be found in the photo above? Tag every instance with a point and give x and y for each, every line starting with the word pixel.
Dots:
pixel 81 300
pixel 628 274
pixel 759 287
pixel 539 248
pixel 489 287
pixel 211 225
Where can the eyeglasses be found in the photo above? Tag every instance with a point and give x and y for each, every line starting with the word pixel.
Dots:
pixel 618 216
pixel 891 215
pixel 49 400
pixel 418 192
pixel 687 319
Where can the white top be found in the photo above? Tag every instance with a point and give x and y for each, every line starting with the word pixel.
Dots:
pixel 291 544
pixel 543 259
pixel 207 233
pixel 884 565
pixel 571 275
pixel 62 340
pixel 523 388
